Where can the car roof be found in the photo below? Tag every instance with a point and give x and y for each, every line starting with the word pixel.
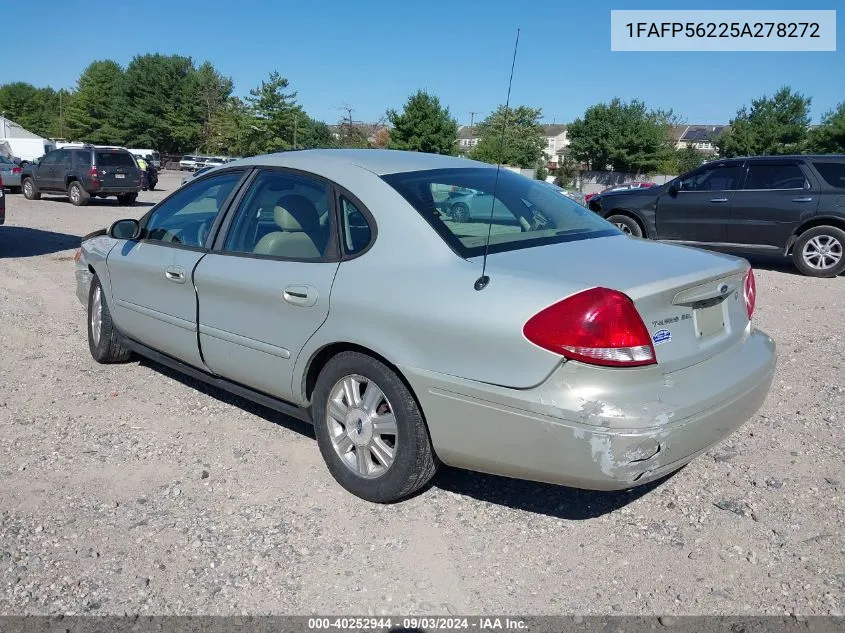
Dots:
pixel 378 161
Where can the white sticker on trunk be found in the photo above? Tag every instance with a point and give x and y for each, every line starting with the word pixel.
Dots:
pixel 661 336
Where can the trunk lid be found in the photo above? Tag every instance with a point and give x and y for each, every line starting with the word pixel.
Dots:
pixel 691 301
pixel 117 168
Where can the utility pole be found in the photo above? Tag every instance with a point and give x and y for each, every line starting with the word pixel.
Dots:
pixel 471 129
pixel 61 115
pixel 295 119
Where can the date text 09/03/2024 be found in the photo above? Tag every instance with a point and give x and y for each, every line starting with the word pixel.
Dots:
pixel 425 623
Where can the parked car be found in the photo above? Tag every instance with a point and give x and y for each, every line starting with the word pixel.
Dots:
pixel 10 172
pixel 82 173
pixel 605 376
pixel 623 187
pixel 188 162
pixel 572 194
pixel 211 161
pixel 783 205
pixel 195 174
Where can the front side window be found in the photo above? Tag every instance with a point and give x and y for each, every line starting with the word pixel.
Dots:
pixel 522 213
pixel 716 178
pixel 832 173
pixel 186 217
pixel 775 177
pixel 282 215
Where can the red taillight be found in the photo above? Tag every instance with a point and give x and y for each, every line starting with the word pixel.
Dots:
pixel 597 326
pixel 95 177
pixel 16 170
pixel 750 292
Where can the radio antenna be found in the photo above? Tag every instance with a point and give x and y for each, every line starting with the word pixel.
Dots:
pixel 481 282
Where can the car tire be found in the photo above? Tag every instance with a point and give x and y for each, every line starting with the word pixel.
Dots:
pixel 77 195
pixel 820 252
pixel 359 457
pixel 127 199
pixel 460 212
pixel 30 191
pixel 102 338
pixel 628 225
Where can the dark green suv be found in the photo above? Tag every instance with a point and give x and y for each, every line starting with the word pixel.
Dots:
pixel 83 172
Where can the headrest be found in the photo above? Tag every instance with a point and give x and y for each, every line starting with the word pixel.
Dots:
pixel 296 213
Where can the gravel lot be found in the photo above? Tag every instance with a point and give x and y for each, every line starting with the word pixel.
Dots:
pixel 130 489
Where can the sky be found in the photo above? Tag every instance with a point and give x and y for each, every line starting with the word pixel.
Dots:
pixel 371 55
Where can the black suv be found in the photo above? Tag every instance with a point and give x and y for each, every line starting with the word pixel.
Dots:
pixel 778 205
pixel 82 173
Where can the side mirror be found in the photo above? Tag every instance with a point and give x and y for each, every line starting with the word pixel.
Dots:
pixel 125 229
pixel 673 189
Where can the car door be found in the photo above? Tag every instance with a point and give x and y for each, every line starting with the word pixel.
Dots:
pixel 62 169
pixel 697 209
pixel 777 196
pixel 264 289
pixel 45 172
pixel 153 297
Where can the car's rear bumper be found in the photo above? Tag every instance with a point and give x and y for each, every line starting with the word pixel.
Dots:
pixel 116 191
pixel 596 428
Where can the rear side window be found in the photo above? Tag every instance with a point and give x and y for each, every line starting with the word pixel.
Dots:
pixel 775 177
pixel 833 173
pixel 356 229
pixel 83 159
pixel 461 206
pixel 106 159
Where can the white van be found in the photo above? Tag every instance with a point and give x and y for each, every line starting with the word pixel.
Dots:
pixel 29 149
pixel 155 157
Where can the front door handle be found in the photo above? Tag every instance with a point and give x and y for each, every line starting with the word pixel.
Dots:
pixel 718 200
pixel 176 274
pixel 803 199
pixel 305 296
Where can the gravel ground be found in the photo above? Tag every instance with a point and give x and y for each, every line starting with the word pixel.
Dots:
pixel 130 489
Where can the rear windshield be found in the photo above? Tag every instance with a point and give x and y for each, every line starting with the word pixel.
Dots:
pixel 116 158
pixel 460 205
pixel 833 173
pixel 5 160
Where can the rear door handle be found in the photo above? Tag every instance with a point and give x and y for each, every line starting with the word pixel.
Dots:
pixel 803 199
pixel 718 200
pixel 176 274
pixel 305 296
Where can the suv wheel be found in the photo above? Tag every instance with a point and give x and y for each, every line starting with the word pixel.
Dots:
pixel 370 429
pixel 628 226
pixel 78 196
pixel 30 191
pixel 818 252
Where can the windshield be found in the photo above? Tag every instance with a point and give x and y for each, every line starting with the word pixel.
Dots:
pixel 459 204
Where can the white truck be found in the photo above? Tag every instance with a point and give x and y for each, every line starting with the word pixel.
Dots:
pixel 28 149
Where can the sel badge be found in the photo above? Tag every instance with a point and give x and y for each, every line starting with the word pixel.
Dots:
pixel 661 336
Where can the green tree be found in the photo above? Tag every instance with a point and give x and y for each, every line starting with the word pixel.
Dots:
pixel 423 126
pixel 96 115
pixel 829 137
pixel 542 172
pixel 772 126
pixel 566 175
pixel 315 134
pixel 511 137
pixel 210 91
pixel 160 103
pixel 276 114
pixel 36 109
pixel 686 159
pixel 625 136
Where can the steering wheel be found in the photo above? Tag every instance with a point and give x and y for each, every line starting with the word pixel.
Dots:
pixel 538 221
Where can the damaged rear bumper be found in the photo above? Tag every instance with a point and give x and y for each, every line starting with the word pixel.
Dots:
pixel 592 427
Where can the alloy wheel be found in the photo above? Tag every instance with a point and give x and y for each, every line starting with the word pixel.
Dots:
pixel 822 252
pixel 96 315
pixel 362 426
